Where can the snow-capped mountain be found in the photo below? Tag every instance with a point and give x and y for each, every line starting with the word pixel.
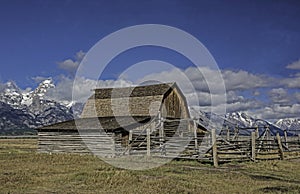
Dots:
pixel 21 109
pixel 244 120
pixel 290 124
pixel 241 119
pixel 38 94
pixel 11 118
pixel 11 94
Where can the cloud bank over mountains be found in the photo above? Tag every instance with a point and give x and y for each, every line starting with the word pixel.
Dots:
pixel 260 95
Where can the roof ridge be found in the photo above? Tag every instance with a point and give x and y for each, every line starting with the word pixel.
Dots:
pixel 136 86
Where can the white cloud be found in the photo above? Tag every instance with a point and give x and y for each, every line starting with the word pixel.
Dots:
pixel 79 55
pixel 256 93
pixel 83 89
pixel 204 77
pixel 297 96
pixel 291 82
pixel 279 96
pixel 277 111
pixel 38 79
pixel 295 65
pixel 243 105
pixel 71 65
pixel 243 80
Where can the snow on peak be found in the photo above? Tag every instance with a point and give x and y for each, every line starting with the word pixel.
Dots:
pixel 241 118
pixel 43 87
pixel 11 94
pixel 289 123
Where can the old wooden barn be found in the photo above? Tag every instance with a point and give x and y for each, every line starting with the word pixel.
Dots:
pixel 131 120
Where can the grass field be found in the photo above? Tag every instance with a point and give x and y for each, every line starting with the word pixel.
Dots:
pixel 22 170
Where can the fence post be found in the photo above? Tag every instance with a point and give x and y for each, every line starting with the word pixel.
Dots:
pixel 129 141
pixel 236 132
pixel 214 147
pixel 285 138
pixel 148 141
pixel 257 132
pixel 162 134
pixel 267 137
pixel 160 129
pixel 253 154
pixel 113 148
pixel 228 134
pixel 195 136
pixel 280 147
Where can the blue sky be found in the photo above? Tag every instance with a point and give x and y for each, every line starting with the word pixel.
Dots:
pixel 258 37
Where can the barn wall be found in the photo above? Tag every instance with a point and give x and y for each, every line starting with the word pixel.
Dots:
pixel 174 105
pixel 55 142
pixel 71 142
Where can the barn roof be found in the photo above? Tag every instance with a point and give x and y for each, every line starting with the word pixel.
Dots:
pixel 136 91
pixel 109 123
pixel 129 101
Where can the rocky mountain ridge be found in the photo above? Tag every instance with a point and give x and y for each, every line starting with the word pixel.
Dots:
pixel 22 109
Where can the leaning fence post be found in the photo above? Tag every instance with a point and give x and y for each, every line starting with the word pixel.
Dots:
pixel 148 141
pixel 253 135
pixel 214 147
pixel 285 138
pixel 280 147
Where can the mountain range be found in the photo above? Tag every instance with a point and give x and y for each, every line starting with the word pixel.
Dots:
pixel 23 110
pixel 244 122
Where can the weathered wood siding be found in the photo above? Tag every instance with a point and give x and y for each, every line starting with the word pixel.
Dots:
pixel 72 142
pixel 174 105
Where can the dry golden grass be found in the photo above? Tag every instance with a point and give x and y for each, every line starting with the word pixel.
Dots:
pixel 22 170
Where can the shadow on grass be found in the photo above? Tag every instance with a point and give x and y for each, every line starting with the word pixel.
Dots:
pixel 280 189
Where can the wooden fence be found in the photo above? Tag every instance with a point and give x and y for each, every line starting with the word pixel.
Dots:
pixel 251 147
pixel 179 138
